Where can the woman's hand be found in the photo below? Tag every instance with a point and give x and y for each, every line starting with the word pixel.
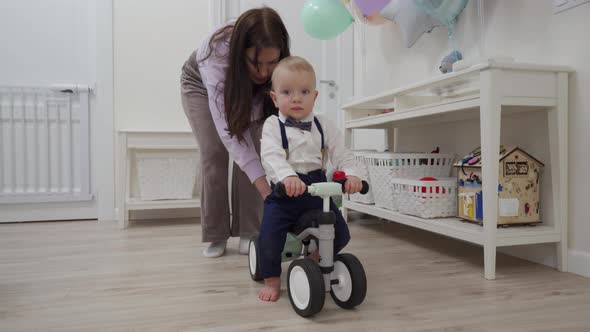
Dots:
pixel 262 186
pixel 294 186
pixel 353 184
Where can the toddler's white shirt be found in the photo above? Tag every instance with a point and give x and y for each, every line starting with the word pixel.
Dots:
pixel 304 149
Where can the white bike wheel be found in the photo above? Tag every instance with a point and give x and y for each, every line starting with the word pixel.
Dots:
pixel 299 288
pixel 350 287
pixel 343 290
pixel 253 262
pixel 305 285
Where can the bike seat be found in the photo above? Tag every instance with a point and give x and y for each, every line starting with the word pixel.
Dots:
pixel 308 219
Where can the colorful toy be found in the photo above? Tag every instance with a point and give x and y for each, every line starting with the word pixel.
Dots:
pixel 518 190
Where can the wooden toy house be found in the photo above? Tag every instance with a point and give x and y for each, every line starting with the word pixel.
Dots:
pixel 518 189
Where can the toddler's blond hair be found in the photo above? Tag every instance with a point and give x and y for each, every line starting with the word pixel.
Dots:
pixel 293 63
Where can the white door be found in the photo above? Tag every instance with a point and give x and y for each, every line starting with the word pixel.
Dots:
pixel 332 59
pixel 47 64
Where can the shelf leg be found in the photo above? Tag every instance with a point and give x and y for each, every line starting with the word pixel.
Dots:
pixel 126 194
pixel 490 122
pixel 124 218
pixel 558 147
pixel 348 142
pixel 124 177
pixel 489 253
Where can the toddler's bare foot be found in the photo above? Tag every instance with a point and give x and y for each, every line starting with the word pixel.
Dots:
pixel 270 291
pixel 315 256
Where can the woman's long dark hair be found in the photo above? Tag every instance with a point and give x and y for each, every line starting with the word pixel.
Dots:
pixel 259 28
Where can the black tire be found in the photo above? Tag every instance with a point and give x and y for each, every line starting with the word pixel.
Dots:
pixel 305 285
pixel 254 260
pixel 352 292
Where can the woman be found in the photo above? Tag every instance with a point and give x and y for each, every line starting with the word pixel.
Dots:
pixel 224 87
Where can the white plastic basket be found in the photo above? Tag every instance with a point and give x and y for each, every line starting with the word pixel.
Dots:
pixel 385 166
pixel 166 175
pixel 426 199
pixel 368 198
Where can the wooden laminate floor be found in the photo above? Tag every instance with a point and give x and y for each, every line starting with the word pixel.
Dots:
pixel 90 276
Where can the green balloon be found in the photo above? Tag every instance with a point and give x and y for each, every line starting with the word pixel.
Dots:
pixel 325 19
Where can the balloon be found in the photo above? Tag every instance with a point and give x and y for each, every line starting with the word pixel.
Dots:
pixel 369 7
pixel 446 64
pixel 372 19
pixel 443 10
pixel 412 21
pixel 325 19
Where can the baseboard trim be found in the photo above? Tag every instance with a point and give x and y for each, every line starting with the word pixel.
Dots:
pixel 579 262
pixel 164 214
pixel 544 254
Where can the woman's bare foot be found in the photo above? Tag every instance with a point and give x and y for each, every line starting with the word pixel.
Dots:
pixel 271 290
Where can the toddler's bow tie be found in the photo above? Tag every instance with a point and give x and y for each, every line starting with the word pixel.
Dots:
pixel 303 125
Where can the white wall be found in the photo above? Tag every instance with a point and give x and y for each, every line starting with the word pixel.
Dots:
pixel 152 39
pixel 528 31
pixel 68 41
pixel 46 42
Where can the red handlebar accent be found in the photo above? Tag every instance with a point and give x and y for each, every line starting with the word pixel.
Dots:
pixel 338 175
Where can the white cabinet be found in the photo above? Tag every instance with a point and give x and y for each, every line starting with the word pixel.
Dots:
pixel 486 92
pixel 130 142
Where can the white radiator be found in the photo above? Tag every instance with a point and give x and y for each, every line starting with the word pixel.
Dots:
pixel 44 144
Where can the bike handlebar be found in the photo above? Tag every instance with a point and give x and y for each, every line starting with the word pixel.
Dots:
pixel 280 190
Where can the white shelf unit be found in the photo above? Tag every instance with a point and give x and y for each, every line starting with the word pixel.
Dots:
pixel 486 92
pixel 130 141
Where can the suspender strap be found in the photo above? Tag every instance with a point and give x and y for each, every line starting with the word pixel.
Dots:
pixel 284 138
pixel 317 124
pixel 286 141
